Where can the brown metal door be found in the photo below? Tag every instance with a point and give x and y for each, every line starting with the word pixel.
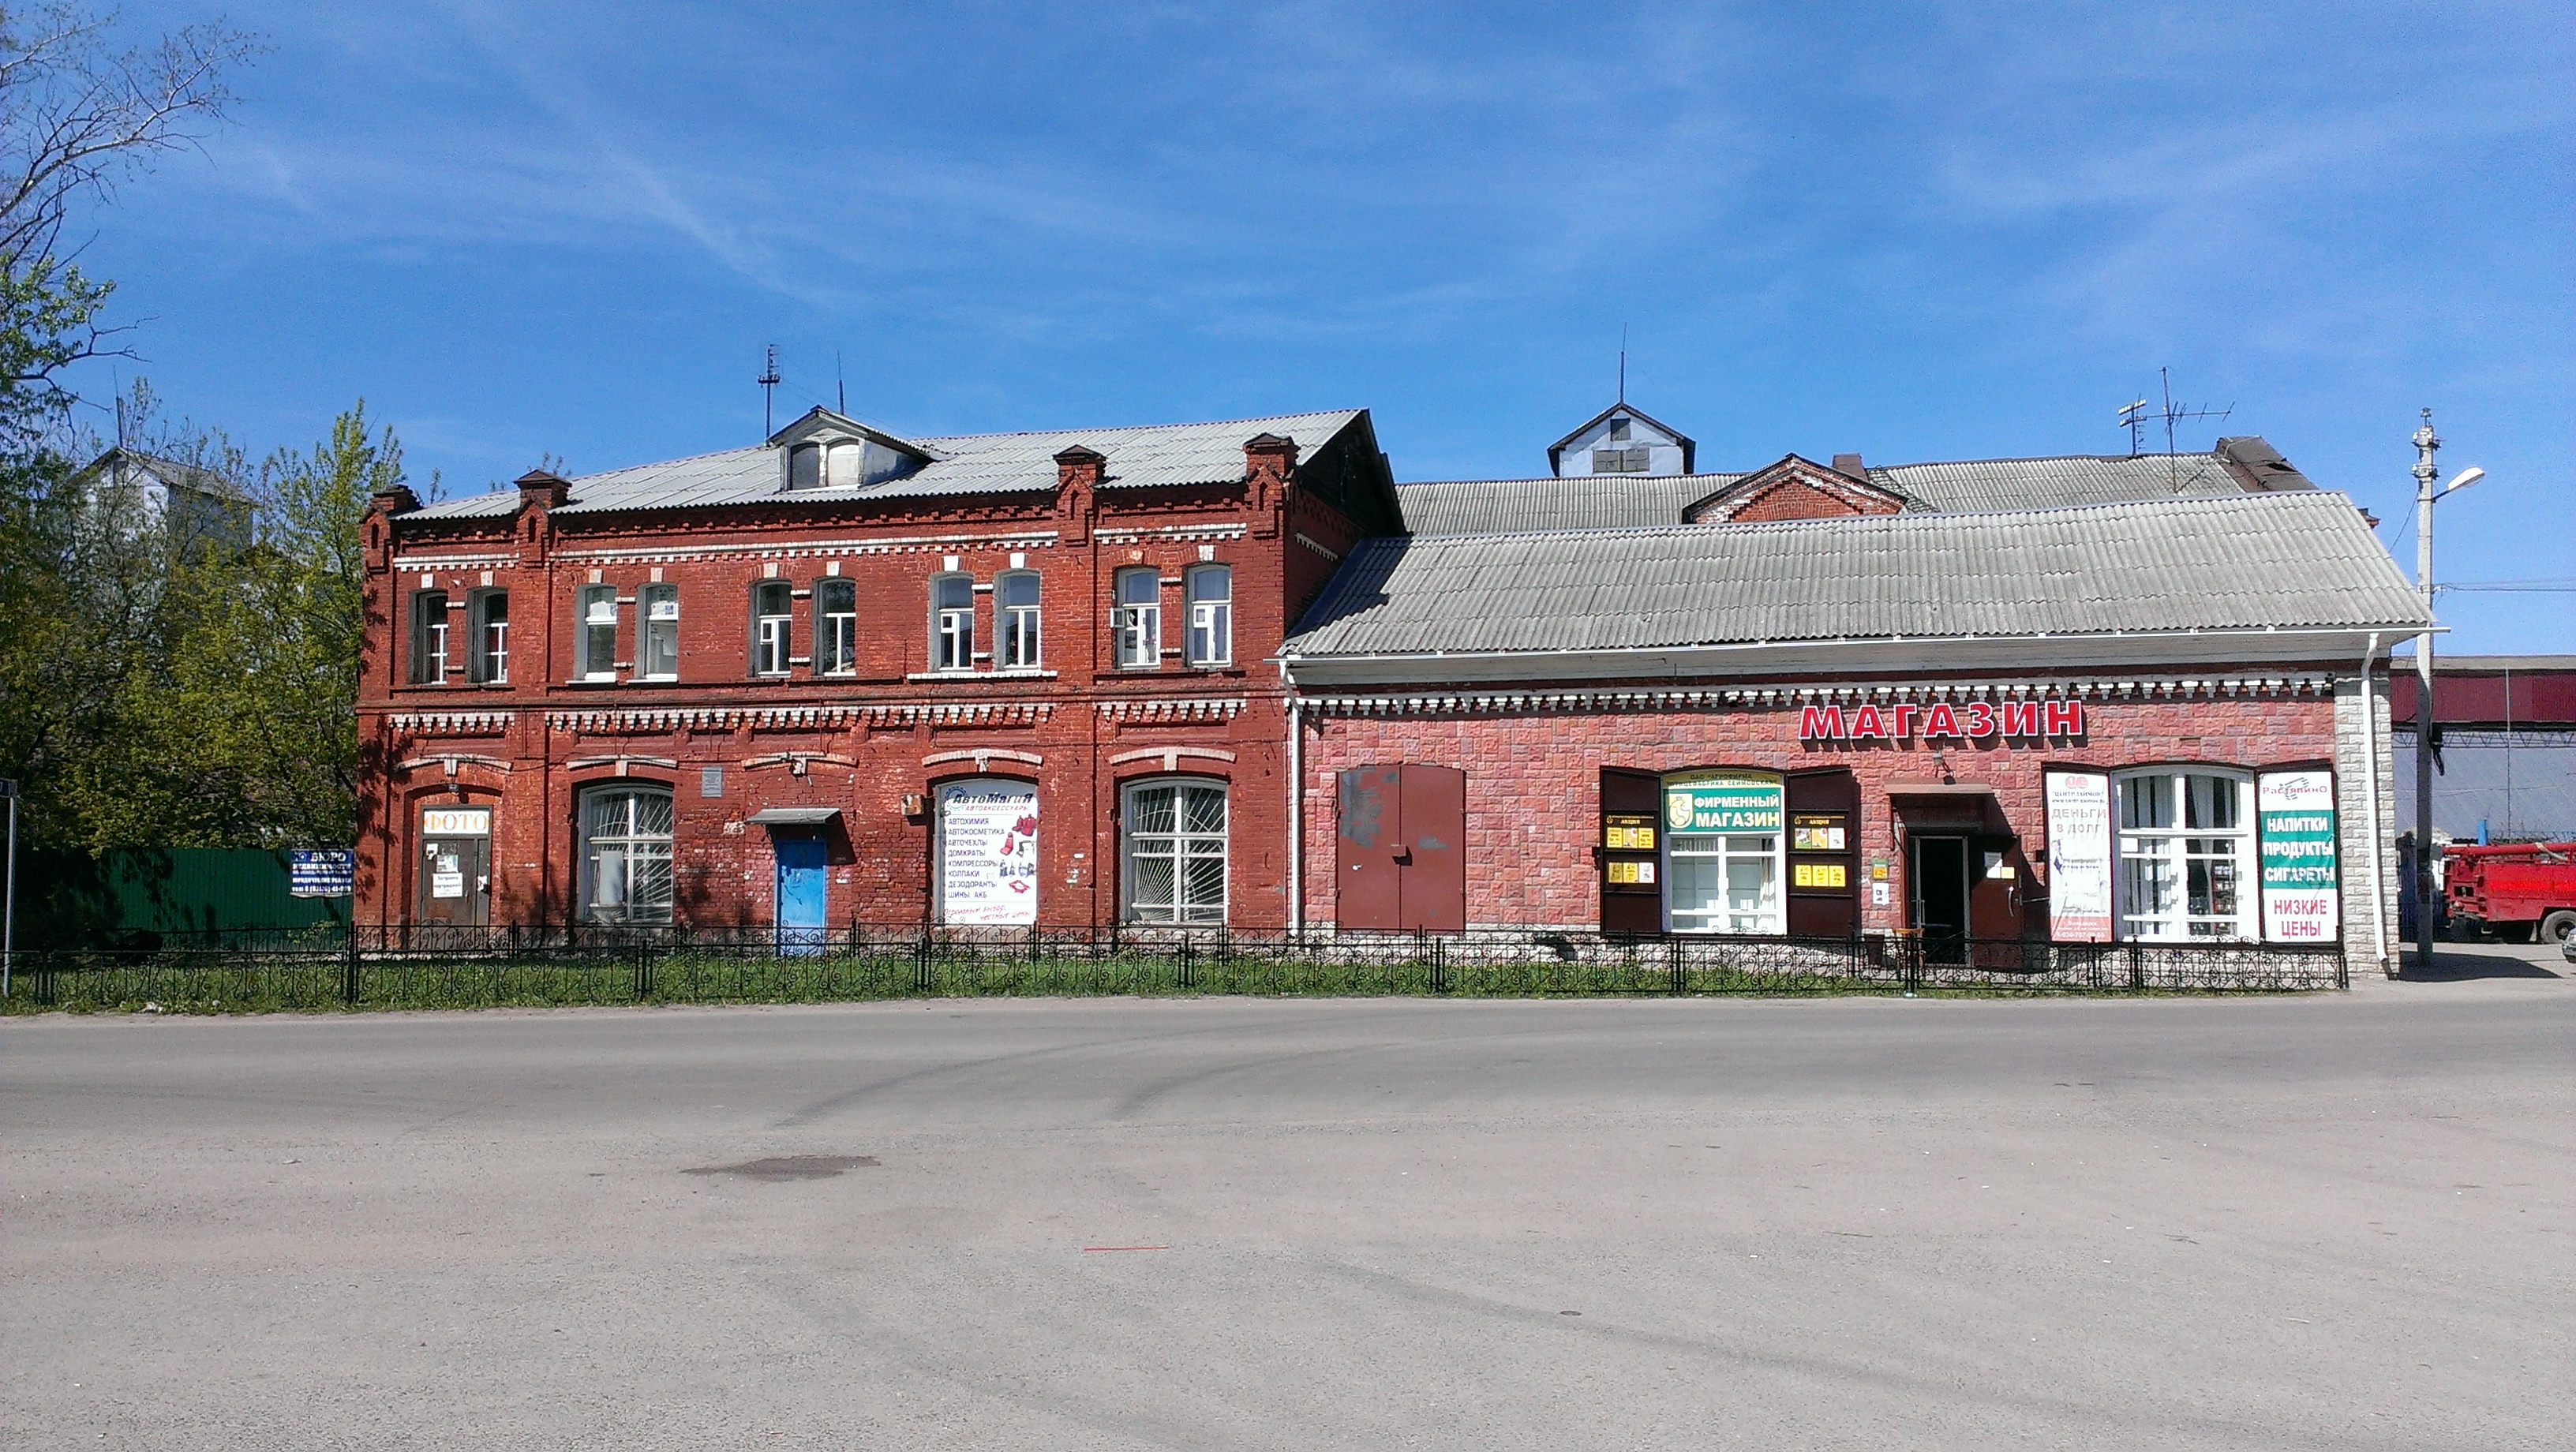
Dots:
pixel 1626 846
pixel 1371 834
pixel 455 881
pixel 1824 852
pixel 1994 889
pixel 1432 870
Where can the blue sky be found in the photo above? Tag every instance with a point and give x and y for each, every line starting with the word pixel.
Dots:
pixel 1913 231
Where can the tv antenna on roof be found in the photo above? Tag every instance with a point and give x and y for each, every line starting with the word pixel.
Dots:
pixel 1623 362
pixel 768 381
pixel 2134 416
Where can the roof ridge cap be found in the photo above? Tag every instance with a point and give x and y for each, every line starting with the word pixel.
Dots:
pixel 1136 428
pixel 1905 518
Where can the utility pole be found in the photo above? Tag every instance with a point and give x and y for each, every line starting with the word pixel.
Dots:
pixel 9 914
pixel 2426 441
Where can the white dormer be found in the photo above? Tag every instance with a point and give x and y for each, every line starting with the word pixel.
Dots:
pixel 1620 440
pixel 826 450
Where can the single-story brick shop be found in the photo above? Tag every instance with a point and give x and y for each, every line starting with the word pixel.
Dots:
pixel 1838 700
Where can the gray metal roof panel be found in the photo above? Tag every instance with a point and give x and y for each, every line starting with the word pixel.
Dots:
pixel 1142 457
pixel 2290 560
pixel 1598 501
pixel 1989 484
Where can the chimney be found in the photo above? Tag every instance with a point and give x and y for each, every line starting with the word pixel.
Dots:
pixel 394 499
pixel 539 489
pixel 1077 480
pixel 1850 467
pixel 1079 467
pixel 1267 461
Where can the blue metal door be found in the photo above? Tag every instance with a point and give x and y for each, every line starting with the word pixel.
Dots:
pixel 800 891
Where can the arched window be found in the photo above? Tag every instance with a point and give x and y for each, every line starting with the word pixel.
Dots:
pixel 1211 629
pixel 2186 854
pixel 1137 618
pixel 805 467
pixel 626 854
pixel 772 604
pixel 1015 608
pixel 836 626
pixel 952 623
pixel 1172 830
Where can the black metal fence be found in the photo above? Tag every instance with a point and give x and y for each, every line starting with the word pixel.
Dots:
pixel 436 967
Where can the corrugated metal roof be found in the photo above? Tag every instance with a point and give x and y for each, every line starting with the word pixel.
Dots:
pixel 1599 501
pixel 1975 484
pixel 2303 559
pixel 1158 454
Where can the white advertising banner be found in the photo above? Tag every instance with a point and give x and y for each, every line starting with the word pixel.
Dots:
pixel 2301 889
pixel 2079 856
pixel 988 852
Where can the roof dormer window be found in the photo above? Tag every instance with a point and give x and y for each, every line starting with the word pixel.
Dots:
pixel 805 466
pixel 1618 430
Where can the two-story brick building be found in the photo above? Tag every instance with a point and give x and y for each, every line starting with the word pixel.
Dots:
pixel 845 676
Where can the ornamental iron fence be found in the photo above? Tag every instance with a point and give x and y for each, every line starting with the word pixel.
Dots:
pixel 427 966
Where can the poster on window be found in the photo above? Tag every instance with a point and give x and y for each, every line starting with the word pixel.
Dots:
pixel 1722 801
pixel 2301 890
pixel 2079 856
pixel 988 852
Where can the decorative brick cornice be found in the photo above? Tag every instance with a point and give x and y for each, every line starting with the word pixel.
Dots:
pixel 1187 708
pixel 452 723
pixel 1524 703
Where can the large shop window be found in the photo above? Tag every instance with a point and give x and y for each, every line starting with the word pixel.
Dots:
pixel 1137 620
pixel 428 637
pixel 2186 849
pixel 661 633
pixel 986 861
pixel 836 626
pixel 772 612
pixel 599 633
pixel 626 854
pixel 1175 852
pixel 1722 852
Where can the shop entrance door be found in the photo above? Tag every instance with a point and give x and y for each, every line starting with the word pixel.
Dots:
pixel 455 867
pixel 800 891
pixel 1939 875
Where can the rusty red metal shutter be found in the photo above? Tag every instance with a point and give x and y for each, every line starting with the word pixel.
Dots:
pixel 1632 815
pixel 1370 832
pixel 1433 875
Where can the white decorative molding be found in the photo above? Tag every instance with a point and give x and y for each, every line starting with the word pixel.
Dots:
pixel 961 713
pixel 813 549
pixel 1171 755
pixel 452 760
pixel 453 723
pixel 584 763
pixel 1122 534
pixel 1317 547
pixel 985 757
pixel 1184 708
pixel 796 762
pixel 1522 703
pixel 455 562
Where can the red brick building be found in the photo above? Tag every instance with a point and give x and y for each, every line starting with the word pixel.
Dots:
pixel 844 676
pixel 1232 673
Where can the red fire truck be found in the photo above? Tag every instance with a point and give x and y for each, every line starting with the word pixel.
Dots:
pixel 2514 888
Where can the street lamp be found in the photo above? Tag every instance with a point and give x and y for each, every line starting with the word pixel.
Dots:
pixel 2426 900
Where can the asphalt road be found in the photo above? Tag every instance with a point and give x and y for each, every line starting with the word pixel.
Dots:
pixel 2333 1222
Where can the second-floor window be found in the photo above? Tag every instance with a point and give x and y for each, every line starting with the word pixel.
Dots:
pixel 1137 620
pixel 772 610
pixel 488 621
pixel 952 623
pixel 1211 595
pixel 1015 607
pixel 836 626
pixel 428 637
pixel 661 633
pixel 599 633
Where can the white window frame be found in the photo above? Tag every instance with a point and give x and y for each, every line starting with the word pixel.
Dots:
pixel 1016 626
pixel 1136 626
pixel 836 632
pixel 952 627
pixel 1210 638
pixel 772 631
pixel 2173 854
pixel 598 612
pixel 1724 850
pixel 429 638
pixel 627 852
pixel 660 612
pixel 489 659
pixel 1177 848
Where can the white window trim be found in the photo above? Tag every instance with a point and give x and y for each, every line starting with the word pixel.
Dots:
pixel 2245 859
pixel 1127 854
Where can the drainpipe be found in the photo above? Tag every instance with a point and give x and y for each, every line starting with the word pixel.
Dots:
pixel 1296 809
pixel 2370 774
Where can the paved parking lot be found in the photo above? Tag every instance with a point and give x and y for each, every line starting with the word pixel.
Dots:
pixel 2331 1222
